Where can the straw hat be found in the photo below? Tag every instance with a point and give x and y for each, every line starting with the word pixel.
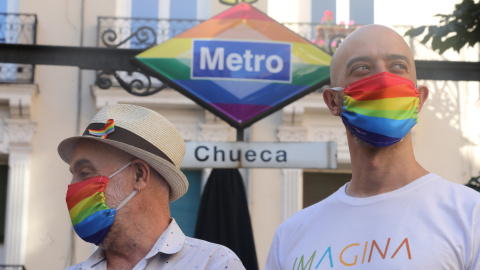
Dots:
pixel 142 133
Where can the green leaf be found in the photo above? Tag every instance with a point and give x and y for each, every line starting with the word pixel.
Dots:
pixel 415 31
pixel 447 44
pixel 426 38
pixel 436 43
pixel 463 23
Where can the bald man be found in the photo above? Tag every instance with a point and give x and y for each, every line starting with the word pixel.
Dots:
pixel 393 214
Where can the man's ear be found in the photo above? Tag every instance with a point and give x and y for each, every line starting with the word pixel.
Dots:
pixel 423 95
pixel 333 100
pixel 142 173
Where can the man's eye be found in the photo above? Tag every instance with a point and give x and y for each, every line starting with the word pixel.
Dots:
pixel 361 68
pixel 83 174
pixel 399 66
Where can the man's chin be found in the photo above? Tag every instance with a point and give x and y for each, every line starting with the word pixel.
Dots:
pixel 108 242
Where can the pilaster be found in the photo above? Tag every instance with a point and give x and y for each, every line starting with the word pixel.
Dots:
pixel 19 132
pixel 292 179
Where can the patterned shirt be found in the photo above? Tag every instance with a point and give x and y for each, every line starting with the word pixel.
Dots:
pixel 173 250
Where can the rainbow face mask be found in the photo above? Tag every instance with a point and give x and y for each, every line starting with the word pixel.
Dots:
pixel 91 217
pixel 380 109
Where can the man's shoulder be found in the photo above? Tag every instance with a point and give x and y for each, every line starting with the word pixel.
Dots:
pixel 75 267
pixel 456 190
pixel 211 248
pixel 312 212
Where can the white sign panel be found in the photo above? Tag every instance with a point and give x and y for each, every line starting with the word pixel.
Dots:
pixel 306 155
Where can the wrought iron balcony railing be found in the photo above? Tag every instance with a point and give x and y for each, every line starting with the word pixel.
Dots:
pixel 139 33
pixel 136 33
pixel 327 37
pixel 17 29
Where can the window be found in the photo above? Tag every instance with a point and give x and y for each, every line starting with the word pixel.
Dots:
pixel 319 185
pixel 320 6
pixel 361 11
pixel 3 20
pixel 3 199
pixel 178 9
pixel 144 9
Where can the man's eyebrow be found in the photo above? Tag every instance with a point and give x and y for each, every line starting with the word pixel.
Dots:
pixel 391 57
pixel 81 162
pixel 352 61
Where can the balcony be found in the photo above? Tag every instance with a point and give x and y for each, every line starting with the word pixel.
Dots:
pixel 139 33
pixel 17 29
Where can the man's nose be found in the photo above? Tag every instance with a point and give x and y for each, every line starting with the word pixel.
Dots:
pixel 380 67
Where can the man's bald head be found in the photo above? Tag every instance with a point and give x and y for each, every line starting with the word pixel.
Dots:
pixel 369 50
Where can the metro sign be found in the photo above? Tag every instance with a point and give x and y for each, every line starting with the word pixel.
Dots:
pixel 241 65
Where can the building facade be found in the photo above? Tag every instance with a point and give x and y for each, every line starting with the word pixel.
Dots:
pixel 41 105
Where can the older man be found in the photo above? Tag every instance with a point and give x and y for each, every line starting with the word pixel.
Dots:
pixel 393 214
pixel 126 170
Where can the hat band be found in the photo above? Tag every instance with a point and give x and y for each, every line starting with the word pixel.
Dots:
pixel 127 137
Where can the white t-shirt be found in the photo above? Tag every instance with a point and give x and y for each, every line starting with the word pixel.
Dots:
pixel 429 224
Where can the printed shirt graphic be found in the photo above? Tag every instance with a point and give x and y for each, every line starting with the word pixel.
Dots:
pixel 428 224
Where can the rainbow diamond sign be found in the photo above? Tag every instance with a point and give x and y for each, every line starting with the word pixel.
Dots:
pixel 241 65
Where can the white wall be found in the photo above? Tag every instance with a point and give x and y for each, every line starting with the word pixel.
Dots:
pixel 411 12
pixel 55 110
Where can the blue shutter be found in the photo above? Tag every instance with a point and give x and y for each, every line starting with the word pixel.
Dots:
pixel 3 20
pixel 144 9
pixel 183 9
pixel 361 11
pixel 320 6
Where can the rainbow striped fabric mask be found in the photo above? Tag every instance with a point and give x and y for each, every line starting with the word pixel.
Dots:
pixel 91 217
pixel 380 109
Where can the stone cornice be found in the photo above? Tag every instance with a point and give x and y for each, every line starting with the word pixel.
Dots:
pixel 165 98
pixel 19 97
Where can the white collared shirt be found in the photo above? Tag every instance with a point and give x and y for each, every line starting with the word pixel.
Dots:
pixel 174 250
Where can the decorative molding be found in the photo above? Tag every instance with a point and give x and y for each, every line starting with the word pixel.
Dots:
pixel 20 132
pixel 216 132
pixel 215 129
pixel 335 134
pixel 188 132
pixel 292 133
pixel 19 97
pixel 165 98
pixel 293 115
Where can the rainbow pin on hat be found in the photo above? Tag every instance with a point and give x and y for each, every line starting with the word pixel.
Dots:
pixel 141 132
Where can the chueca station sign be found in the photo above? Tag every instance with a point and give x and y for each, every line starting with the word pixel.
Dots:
pixel 313 155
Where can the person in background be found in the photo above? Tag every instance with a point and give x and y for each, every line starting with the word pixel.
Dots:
pixel 125 171
pixel 393 214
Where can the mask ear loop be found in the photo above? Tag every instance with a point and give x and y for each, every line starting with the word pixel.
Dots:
pixel 131 194
pixel 127 199
pixel 121 169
